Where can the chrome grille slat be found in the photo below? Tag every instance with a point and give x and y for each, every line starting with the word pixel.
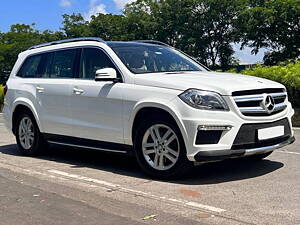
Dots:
pixel 279 95
pixel 248 98
pixel 253 104
pixel 252 110
pixel 280 106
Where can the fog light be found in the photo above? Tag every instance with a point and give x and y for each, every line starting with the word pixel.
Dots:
pixel 214 127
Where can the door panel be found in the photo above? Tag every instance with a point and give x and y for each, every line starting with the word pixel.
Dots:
pixel 53 101
pixel 97 110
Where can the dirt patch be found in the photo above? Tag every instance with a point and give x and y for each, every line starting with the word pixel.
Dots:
pixel 190 193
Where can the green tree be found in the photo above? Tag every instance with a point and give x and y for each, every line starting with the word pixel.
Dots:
pixel 109 27
pixel 274 24
pixel 75 26
pixel 203 28
pixel 19 38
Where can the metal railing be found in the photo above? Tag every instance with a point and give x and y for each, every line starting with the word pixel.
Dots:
pixel 67 41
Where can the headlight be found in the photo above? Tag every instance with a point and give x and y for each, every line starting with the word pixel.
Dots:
pixel 203 100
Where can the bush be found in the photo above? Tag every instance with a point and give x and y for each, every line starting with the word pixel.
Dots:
pixel 1 95
pixel 288 75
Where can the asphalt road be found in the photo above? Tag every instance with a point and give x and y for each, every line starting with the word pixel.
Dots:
pixel 75 186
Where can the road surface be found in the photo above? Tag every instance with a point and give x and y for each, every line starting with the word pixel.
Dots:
pixel 76 186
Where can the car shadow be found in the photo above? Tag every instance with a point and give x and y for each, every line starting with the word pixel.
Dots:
pixel 211 173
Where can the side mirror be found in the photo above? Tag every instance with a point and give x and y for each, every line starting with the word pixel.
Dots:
pixel 106 74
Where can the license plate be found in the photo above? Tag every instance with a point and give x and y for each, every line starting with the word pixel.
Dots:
pixel 271 132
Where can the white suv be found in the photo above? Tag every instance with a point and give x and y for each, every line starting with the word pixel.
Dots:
pixel 145 98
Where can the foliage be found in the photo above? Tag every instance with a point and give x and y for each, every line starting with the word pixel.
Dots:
pixel 110 27
pixel 18 39
pixel 205 29
pixel 288 75
pixel 273 24
pixel 75 26
pixel 1 95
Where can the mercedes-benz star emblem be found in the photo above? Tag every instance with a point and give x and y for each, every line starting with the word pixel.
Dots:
pixel 268 103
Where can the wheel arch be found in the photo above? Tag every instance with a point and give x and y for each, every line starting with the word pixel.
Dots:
pixel 146 109
pixel 21 105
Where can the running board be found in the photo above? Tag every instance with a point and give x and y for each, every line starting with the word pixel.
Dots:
pixel 88 147
pixel 88 144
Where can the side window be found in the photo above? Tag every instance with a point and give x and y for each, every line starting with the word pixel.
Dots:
pixel 44 66
pixel 93 59
pixel 29 68
pixel 63 64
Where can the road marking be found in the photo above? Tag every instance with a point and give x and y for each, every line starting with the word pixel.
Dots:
pixel 40 174
pixel 207 207
pixel 136 192
pixel 295 153
pixel 84 178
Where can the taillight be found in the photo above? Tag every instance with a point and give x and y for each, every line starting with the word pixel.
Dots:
pixel 5 89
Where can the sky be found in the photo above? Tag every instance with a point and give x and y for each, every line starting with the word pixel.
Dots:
pixel 47 14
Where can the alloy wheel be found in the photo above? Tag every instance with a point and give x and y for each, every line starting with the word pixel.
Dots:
pixel 26 133
pixel 160 147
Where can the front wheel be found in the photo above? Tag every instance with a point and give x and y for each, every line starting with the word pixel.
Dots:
pixel 160 149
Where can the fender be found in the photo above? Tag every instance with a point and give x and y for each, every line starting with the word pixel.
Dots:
pixel 26 102
pixel 155 104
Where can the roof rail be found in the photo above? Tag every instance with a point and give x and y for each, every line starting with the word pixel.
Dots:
pixel 66 41
pixel 153 42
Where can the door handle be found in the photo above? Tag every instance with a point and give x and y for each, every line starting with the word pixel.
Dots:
pixel 77 91
pixel 40 89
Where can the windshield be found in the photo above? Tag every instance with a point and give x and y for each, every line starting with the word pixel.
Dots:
pixel 154 59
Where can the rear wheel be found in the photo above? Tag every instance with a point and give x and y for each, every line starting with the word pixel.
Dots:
pixel 29 139
pixel 160 149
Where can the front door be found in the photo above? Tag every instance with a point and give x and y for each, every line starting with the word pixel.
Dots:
pixel 96 106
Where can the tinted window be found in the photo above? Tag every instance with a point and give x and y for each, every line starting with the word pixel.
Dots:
pixel 63 64
pixel 93 59
pixel 44 65
pixel 154 59
pixel 59 64
pixel 30 66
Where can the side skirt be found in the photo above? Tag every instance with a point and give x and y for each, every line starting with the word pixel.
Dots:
pixel 88 143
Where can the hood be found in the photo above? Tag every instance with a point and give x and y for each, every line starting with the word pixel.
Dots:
pixel 223 83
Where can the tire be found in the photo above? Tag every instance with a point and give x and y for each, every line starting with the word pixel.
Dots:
pixel 29 139
pixel 258 157
pixel 170 169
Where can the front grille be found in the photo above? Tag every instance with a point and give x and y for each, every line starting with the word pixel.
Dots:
pixel 251 102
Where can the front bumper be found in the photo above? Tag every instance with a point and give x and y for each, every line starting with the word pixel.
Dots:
pixel 206 156
pixel 226 144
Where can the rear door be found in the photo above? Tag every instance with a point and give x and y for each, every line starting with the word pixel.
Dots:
pixel 53 90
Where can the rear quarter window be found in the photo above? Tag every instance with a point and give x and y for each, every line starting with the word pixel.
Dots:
pixel 29 69
pixel 56 64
